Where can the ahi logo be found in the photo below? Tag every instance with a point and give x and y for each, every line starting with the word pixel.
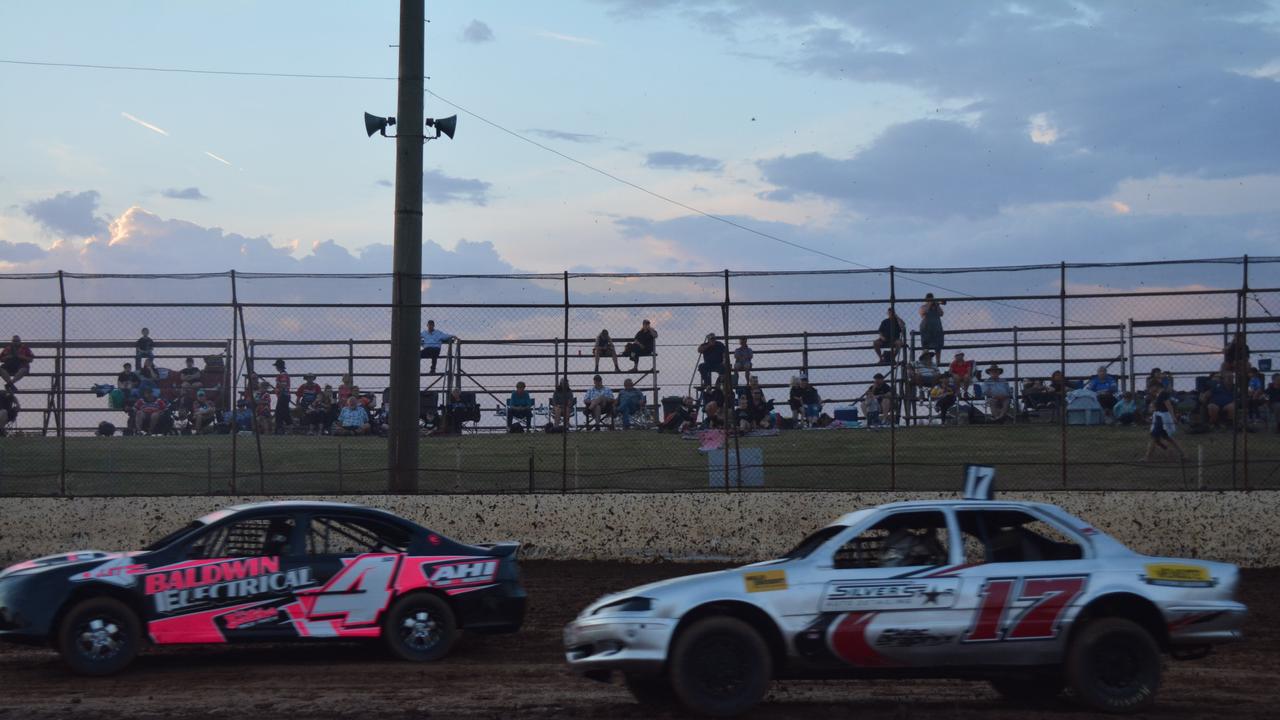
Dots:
pixel 464 573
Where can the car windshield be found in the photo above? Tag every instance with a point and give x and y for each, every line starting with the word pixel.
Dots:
pixel 813 542
pixel 171 537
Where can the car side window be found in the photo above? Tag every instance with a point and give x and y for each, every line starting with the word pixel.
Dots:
pixel 252 537
pixel 352 536
pixel 900 540
pixel 1000 536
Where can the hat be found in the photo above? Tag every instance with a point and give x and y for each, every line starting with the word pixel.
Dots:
pixel 711 336
pixel 878 376
pixel 200 393
pixel 279 364
pixel 308 376
pixel 995 370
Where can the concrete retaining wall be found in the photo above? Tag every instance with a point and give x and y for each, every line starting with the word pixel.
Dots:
pixel 1239 527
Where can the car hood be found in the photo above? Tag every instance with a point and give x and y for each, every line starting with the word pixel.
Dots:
pixel 664 588
pixel 62 560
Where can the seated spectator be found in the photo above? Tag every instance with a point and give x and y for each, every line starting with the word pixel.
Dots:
pixel 961 373
pixel 1257 401
pixel 353 419
pixel 242 418
pixel 1059 387
pixel 203 414
pixel 1105 387
pixel 604 348
pixel 128 379
pixel 262 407
pixel 742 356
pixel 944 395
pixel 630 402
pixel 317 413
pixel 924 373
pixel 681 418
pixel 15 362
pixel 643 344
pixel 712 403
pixel 742 414
pixel 1235 356
pixel 562 401
pixel 877 400
pixel 1218 401
pixel 457 410
pixel 1272 392
pixel 805 402
pixel 998 394
pixel 191 376
pixel 147 411
pixel 892 333
pixel 8 408
pixel 144 348
pixel 1036 395
pixel 520 406
pixel 599 401
pixel 1125 411
pixel 713 352
pixel 308 391
pixel 345 390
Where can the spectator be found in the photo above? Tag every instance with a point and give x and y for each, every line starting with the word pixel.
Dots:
pixel 681 418
pixel 1163 422
pixel 344 390
pixel 317 413
pixel 242 419
pixel 1257 396
pixel 944 395
pixel 1236 354
pixel 308 391
pixel 742 414
pixel 599 401
pixel 353 419
pixel 431 340
pixel 1105 387
pixel 643 344
pixel 15 362
pixel 805 402
pixel 925 371
pixel 893 332
pixel 998 394
pixel 520 406
pixel 147 411
pixel 203 414
pixel 1164 378
pixel 1125 411
pixel 191 376
pixel 1272 393
pixel 262 407
pixel 761 410
pixel 1059 387
pixel 1036 395
pixel 713 405
pixel 931 334
pixel 1217 400
pixel 128 379
pixel 604 348
pixel 456 411
pixel 742 356
pixel 562 403
pixel 8 408
pixel 961 373
pixel 144 347
pixel 283 383
pixel 877 400
pixel 713 352
pixel 630 402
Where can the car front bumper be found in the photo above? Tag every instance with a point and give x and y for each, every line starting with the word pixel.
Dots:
pixel 610 643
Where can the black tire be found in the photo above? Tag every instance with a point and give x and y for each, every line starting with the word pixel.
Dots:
pixel 420 628
pixel 1037 689
pixel 720 666
pixel 651 691
pixel 99 636
pixel 1113 665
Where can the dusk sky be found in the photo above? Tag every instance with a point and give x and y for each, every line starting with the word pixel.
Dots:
pixel 912 133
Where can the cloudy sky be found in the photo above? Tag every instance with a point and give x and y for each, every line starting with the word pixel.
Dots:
pixel 918 134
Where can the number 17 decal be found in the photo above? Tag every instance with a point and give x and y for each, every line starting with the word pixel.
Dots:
pixel 1049 598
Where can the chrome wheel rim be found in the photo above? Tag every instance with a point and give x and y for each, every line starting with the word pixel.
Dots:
pixel 100 638
pixel 419 631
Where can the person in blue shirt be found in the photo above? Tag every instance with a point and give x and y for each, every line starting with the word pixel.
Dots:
pixel 431 339
pixel 242 419
pixel 520 406
pixel 1105 387
pixel 630 402
pixel 1125 411
pixel 352 419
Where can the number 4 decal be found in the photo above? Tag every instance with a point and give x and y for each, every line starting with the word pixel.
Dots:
pixel 1049 598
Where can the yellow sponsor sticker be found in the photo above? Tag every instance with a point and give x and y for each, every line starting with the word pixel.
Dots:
pixel 1175 574
pixel 765 581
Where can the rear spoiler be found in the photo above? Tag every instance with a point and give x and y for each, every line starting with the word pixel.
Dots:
pixel 500 549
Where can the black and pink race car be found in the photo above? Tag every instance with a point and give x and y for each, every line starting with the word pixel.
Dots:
pixel 266 571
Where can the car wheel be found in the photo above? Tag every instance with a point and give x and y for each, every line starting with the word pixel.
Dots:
pixel 652 691
pixel 1029 689
pixel 99 636
pixel 720 666
pixel 1113 665
pixel 420 628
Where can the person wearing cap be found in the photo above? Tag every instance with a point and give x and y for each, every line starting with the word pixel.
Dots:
pixel 203 413
pixel 998 393
pixel 961 372
pixel 645 341
pixel 892 333
pixel 805 402
pixel 877 400
pixel 430 340
pixel 713 353
pixel 282 391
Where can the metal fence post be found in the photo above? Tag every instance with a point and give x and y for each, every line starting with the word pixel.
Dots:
pixel 1241 424
pixel 564 435
pixel 61 370
pixel 1017 377
pixel 1133 366
pixel 1062 365
pixel 233 385
pixel 893 386
pixel 726 384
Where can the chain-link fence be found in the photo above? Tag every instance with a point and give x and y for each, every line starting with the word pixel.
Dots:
pixel 1079 376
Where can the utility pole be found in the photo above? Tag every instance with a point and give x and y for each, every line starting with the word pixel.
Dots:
pixel 406 283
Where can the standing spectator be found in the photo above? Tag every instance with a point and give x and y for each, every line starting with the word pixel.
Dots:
pixel 1163 422
pixel 431 340
pixel 931 334
pixel 1105 387
pixel 961 373
pixel 644 343
pixel 147 411
pixel 144 347
pixel 599 400
pixel 1125 411
pixel 630 402
pixel 604 348
pixel 877 400
pixel 353 419
pixel 1272 393
pixel 998 394
pixel 805 402
pixel 15 361
pixel 8 408
pixel 203 414
pixel 713 352
pixel 520 406
pixel 308 391
pixel 742 356
pixel 262 400
pixel 562 403
pixel 283 393
pixel 893 333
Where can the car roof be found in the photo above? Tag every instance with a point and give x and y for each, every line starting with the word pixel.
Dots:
pixel 852 517
pixel 313 505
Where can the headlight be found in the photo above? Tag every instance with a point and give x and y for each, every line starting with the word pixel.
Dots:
pixel 631 604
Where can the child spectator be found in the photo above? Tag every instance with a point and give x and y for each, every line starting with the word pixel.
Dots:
pixel 944 395
pixel 242 419
pixel 742 356
pixel 144 347
pixel 1163 422
pixel 1125 411
pixel 262 407
pixel 604 348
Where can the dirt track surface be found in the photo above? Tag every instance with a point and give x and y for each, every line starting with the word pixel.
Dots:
pixel 524 676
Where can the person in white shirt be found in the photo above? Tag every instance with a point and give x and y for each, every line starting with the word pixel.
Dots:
pixel 599 401
pixel 431 340
pixel 997 392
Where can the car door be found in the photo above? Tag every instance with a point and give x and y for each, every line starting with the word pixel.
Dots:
pixel 878 595
pixel 225 583
pixel 1024 576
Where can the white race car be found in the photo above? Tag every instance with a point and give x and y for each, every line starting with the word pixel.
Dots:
pixel 1020 594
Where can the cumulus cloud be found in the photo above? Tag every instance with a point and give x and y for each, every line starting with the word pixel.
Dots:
pixel 20 252
pixel 188 193
pixel 440 188
pixel 477 32
pixel 566 136
pixel 68 214
pixel 670 160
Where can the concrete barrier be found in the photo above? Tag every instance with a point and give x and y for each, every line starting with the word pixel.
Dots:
pixel 1239 527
